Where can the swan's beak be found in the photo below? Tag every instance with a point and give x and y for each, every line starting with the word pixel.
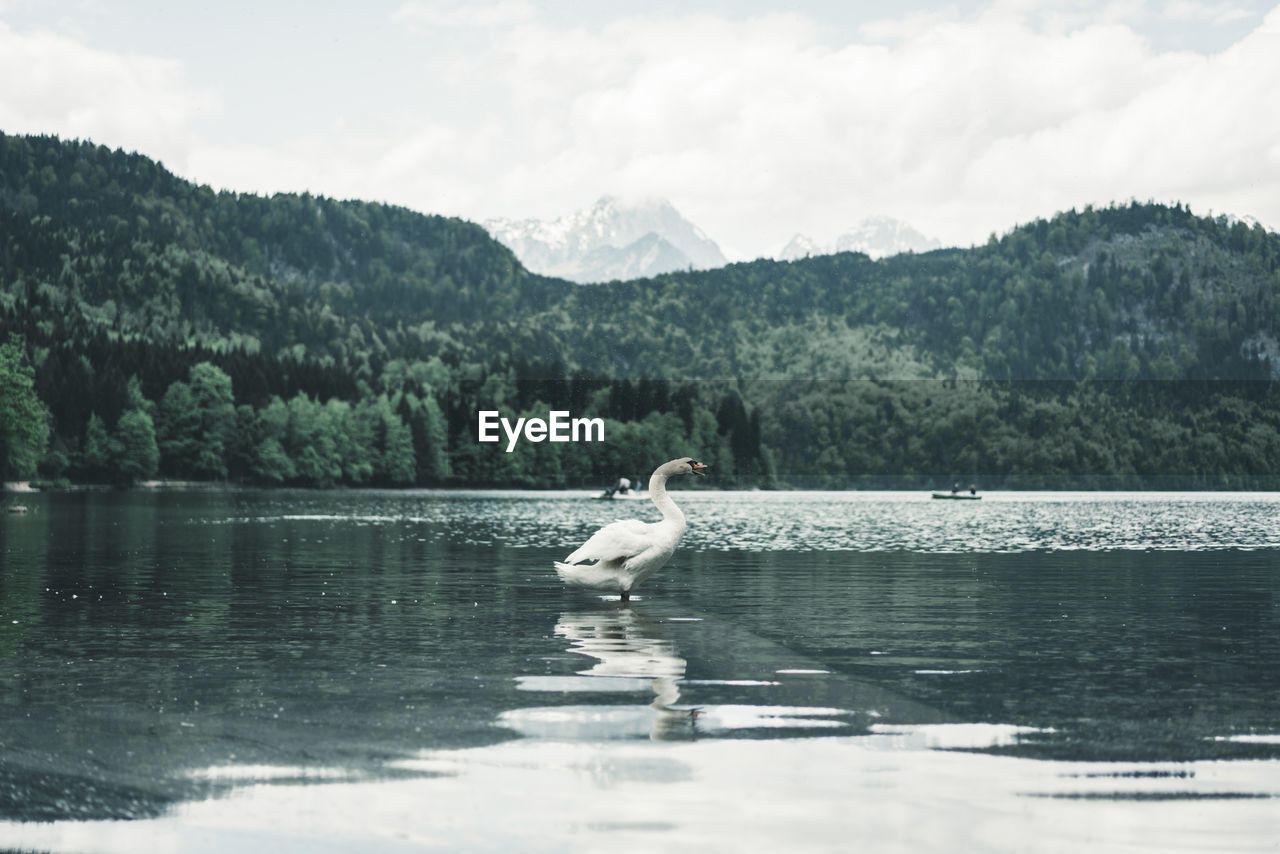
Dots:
pixel 699 469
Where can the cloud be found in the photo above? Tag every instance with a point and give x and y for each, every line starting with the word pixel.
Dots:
pixel 756 128
pixel 759 128
pixel 442 13
pixel 1196 11
pixel 53 84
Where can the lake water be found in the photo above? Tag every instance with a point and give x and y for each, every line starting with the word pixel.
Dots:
pixel 402 671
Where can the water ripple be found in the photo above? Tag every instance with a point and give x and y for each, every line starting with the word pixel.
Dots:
pixel 829 521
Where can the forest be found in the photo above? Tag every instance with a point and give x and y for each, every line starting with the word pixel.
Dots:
pixel 153 328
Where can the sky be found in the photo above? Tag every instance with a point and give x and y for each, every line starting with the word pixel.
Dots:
pixel 757 119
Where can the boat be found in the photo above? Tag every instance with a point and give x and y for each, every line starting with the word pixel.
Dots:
pixel 957 496
pixel 621 496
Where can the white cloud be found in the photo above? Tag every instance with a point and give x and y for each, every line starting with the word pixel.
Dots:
pixel 434 168
pixel 443 13
pixel 962 126
pixel 52 84
pixel 755 128
pixel 1215 14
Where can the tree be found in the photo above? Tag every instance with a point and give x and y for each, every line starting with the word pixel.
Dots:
pixel 357 438
pixel 269 461
pixel 311 444
pixel 433 453
pixel 397 464
pixel 179 429
pixel 135 437
pixel 211 390
pixel 98 454
pixel 24 421
pixel 391 442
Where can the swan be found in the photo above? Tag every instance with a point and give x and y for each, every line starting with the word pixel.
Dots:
pixel 624 553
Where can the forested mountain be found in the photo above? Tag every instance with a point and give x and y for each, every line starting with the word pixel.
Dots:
pixel 300 339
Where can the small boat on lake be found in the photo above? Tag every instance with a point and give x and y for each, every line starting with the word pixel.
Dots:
pixel 957 495
pixel 620 496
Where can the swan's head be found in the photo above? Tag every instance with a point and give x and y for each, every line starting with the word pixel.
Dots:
pixel 687 465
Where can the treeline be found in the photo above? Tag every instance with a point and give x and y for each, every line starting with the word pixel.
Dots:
pixel 208 426
pixel 930 433
pixel 196 431
pixel 824 434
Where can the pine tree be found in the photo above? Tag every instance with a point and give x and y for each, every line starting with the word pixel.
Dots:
pixel 24 421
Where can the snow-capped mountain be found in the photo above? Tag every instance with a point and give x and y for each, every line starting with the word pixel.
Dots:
pixel 877 236
pixel 613 239
pixel 801 247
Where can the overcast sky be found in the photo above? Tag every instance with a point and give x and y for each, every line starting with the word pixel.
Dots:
pixel 757 119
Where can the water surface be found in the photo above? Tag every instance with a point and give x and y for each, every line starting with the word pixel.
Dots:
pixel 402 671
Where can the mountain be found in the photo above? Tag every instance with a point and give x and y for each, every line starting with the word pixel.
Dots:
pixel 299 340
pixel 877 236
pixel 613 239
pixel 799 247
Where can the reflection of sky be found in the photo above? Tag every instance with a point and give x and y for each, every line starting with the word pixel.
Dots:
pixel 889 791
pixel 629 657
pixel 620 645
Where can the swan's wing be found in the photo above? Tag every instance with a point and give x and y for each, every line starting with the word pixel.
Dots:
pixel 616 541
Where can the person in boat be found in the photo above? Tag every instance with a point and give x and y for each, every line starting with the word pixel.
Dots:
pixel 622 487
pixel 955 487
pixel 973 490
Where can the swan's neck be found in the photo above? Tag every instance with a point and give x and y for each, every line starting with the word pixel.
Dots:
pixel 658 492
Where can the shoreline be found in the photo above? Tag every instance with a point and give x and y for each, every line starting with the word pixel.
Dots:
pixel 889 485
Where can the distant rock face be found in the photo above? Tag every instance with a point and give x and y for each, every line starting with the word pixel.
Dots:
pixel 800 247
pixel 877 236
pixel 613 239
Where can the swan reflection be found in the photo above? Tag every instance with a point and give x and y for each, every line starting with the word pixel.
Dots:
pixel 629 654
pixel 624 643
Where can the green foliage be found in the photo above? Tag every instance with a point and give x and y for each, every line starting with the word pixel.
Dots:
pixel 179 430
pixel 24 428
pixel 214 402
pixel 307 341
pixel 139 455
pixel 98 453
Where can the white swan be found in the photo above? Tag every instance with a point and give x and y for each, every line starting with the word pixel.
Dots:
pixel 627 552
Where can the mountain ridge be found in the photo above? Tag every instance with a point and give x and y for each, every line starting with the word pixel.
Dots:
pixel 609 240
pixel 289 268
pixel 1133 340
pixel 876 236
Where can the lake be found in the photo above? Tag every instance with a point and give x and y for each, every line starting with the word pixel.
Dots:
pixel 402 671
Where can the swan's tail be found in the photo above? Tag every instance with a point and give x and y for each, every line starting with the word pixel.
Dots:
pixel 597 576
